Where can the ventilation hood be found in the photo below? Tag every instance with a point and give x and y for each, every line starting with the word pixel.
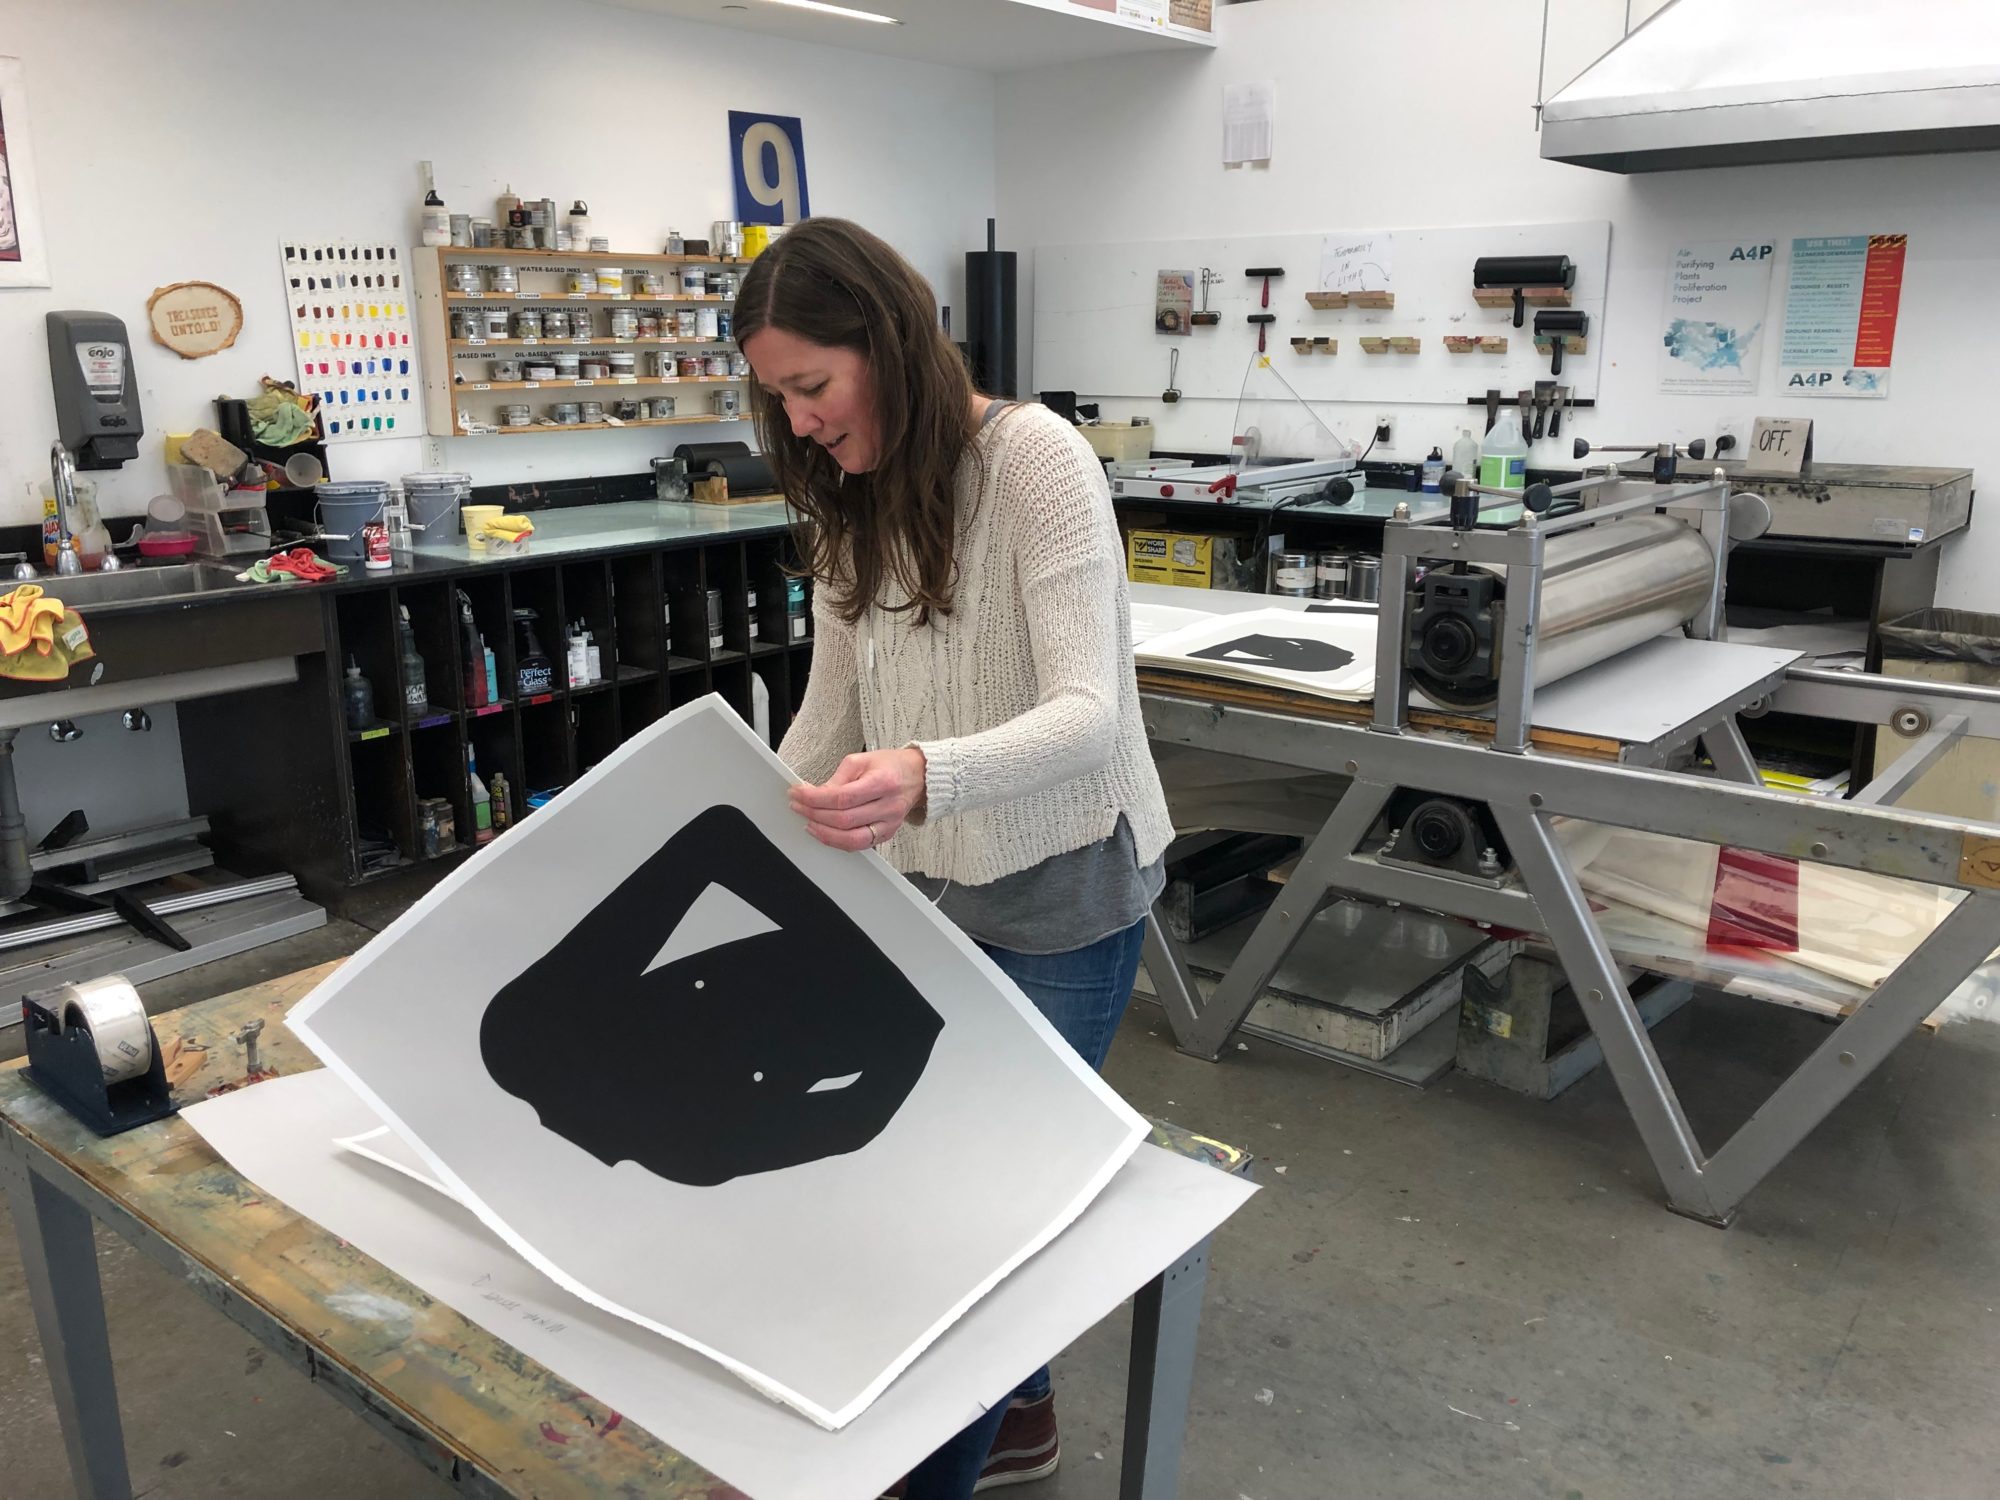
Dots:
pixel 1728 83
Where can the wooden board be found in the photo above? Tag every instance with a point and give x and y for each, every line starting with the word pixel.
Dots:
pixel 459 1397
pixel 1307 706
pixel 1093 315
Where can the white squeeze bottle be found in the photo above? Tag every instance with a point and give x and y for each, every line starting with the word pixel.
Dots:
pixel 1465 455
pixel 1503 457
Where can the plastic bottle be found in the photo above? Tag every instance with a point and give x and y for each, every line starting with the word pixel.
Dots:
pixel 482 801
pixel 579 225
pixel 1465 454
pixel 579 663
pixel 1503 457
pixel 475 669
pixel 505 207
pixel 436 220
pixel 416 693
pixel 534 673
pixel 498 794
pixel 492 671
pixel 359 696
pixel 593 658
pixel 1434 472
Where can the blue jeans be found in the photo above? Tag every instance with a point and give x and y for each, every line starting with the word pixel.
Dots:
pixel 1083 993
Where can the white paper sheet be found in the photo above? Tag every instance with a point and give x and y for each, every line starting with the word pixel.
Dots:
pixel 1249 122
pixel 281 1136
pixel 1150 620
pixel 1330 655
pixel 652 1120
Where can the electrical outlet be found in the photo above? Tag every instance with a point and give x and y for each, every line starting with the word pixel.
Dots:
pixel 1728 438
pixel 1383 429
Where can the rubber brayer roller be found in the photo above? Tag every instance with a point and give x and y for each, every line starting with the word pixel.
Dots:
pixel 1518 271
pixel 1558 325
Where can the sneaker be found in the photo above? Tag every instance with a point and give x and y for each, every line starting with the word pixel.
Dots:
pixel 1026 1447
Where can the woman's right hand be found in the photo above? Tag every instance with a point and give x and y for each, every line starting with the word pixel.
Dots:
pixel 868 797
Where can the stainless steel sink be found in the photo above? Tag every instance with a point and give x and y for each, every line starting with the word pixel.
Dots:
pixel 131 584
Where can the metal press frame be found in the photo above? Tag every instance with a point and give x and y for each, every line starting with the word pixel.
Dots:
pixel 1527 789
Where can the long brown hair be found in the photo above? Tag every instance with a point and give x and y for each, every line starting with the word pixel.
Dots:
pixel 834 284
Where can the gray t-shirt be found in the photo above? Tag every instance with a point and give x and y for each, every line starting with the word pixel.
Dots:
pixel 1067 901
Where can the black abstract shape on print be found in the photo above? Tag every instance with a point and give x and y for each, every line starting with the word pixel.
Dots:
pixel 1287 653
pixel 715 1016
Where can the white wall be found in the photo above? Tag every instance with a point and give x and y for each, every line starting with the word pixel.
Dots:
pixel 1420 113
pixel 160 134
pixel 160 139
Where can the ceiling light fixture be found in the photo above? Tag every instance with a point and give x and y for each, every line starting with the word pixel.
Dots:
pixel 839 10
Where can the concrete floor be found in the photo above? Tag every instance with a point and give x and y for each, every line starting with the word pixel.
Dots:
pixel 1458 1293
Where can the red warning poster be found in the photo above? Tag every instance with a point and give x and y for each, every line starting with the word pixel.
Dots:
pixel 1840 314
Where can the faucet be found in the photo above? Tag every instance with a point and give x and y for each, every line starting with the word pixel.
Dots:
pixel 62 473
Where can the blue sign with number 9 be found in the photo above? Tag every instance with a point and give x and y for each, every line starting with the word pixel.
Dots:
pixel 768 159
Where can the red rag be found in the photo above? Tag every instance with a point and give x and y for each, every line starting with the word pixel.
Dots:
pixel 302 563
pixel 1756 902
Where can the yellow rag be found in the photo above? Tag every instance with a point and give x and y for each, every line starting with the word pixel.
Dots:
pixel 510 528
pixel 28 615
pixel 70 645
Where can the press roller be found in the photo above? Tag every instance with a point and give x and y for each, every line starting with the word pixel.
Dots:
pixel 1604 590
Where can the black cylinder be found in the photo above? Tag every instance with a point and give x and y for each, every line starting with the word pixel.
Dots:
pixel 992 305
pixel 1523 270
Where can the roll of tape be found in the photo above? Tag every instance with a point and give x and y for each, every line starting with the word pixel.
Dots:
pixel 110 1011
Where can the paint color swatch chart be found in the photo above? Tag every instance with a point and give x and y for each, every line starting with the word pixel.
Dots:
pixel 351 334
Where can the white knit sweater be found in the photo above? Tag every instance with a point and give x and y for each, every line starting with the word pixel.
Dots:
pixel 1022 698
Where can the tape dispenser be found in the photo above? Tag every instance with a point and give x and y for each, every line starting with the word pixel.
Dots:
pixel 92 1048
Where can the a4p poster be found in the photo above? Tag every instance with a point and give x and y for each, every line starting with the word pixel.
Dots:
pixel 1717 291
pixel 1840 314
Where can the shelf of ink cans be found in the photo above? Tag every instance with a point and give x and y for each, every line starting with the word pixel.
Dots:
pixel 477 303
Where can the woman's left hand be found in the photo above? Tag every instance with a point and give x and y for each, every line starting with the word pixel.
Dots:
pixel 866 799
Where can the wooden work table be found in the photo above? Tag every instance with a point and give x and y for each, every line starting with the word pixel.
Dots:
pixel 461 1401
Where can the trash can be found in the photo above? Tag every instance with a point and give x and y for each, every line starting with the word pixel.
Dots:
pixel 1946 645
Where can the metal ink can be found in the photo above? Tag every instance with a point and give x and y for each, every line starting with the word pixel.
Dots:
pixel 1292 575
pixel 1364 578
pixel 1330 576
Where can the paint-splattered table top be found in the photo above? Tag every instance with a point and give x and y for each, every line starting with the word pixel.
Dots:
pixel 464 1402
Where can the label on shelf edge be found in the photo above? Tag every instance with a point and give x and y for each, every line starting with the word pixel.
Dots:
pixel 527 296
pixel 625 380
pixel 531 385
pixel 480 386
pixel 475 342
pixel 374 734
pixel 583 382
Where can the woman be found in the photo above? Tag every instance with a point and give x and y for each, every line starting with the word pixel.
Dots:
pixel 972 710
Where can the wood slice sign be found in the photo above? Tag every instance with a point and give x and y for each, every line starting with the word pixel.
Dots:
pixel 194 318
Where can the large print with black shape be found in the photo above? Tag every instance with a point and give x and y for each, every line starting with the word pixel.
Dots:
pixel 765 1031
pixel 751 1093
